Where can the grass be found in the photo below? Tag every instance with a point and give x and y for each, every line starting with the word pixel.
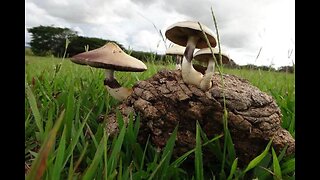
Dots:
pixel 64 140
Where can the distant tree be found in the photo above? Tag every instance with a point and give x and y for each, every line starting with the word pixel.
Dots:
pixel 267 68
pixel 147 56
pixel 288 69
pixel 50 40
pixel 249 66
pixel 47 40
pixel 78 44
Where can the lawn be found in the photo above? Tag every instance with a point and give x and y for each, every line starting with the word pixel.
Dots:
pixel 65 140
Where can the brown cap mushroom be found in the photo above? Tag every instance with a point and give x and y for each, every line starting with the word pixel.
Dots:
pixel 111 58
pixel 189 34
pixel 176 50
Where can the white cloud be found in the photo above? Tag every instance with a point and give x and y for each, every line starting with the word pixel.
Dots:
pixel 244 26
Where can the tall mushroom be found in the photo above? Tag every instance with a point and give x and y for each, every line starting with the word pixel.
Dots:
pixel 111 58
pixel 204 55
pixel 176 50
pixel 189 34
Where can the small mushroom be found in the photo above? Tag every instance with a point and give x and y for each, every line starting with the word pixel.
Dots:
pixel 189 34
pixel 204 55
pixel 111 58
pixel 176 50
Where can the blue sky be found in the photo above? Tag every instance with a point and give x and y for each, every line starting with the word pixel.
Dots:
pixel 245 26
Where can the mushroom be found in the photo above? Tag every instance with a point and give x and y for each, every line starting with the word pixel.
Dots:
pixel 189 34
pixel 178 51
pixel 111 58
pixel 204 55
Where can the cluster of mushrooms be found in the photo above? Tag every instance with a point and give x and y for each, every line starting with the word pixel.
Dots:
pixel 186 35
pixel 253 116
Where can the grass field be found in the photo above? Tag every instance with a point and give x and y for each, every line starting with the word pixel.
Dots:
pixel 64 140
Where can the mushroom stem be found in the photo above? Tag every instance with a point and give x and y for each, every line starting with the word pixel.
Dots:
pixel 191 46
pixel 211 66
pixel 110 80
pixel 109 74
pixel 114 88
pixel 189 74
pixel 178 62
pixel 206 83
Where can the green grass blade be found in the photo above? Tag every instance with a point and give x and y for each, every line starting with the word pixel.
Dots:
pixel 261 170
pixel 276 166
pixel 112 162
pixel 215 148
pixel 81 157
pixel 105 154
pixel 35 110
pixel 119 119
pixel 136 126
pixel 282 153
pixel 120 169
pixel 144 154
pixel 158 167
pixel 233 168
pixel 71 171
pixel 27 121
pixel 198 155
pixel 288 166
pixel 230 147
pixel 91 171
pixel 126 174
pixel 57 168
pixel 92 136
pixel 226 141
pixel 39 165
pixel 212 140
pixel 167 151
pixel 180 160
pixel 253 163
pixel 130 135
pixel 75 139
pixel 49 122
pixel 69 111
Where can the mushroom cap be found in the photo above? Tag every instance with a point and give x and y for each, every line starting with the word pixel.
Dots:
pixel 205 54
pixel 175 50
pixel 180 31
pixel 109 56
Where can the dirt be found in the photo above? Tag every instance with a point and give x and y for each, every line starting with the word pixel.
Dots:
pixel 165 101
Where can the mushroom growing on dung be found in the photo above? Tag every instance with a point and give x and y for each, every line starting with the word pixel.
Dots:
pixel 176 50
pixel 205 55
pixel 111 58
pixel 189 34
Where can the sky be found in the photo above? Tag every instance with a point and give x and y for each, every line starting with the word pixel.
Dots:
pixel 260 32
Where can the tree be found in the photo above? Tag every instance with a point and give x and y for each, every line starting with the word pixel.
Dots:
pixel 50 40
pixel 288 69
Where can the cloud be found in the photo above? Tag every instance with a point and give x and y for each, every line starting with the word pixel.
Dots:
pixel 244 26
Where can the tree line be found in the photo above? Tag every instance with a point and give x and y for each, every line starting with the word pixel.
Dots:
pixel 64 42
